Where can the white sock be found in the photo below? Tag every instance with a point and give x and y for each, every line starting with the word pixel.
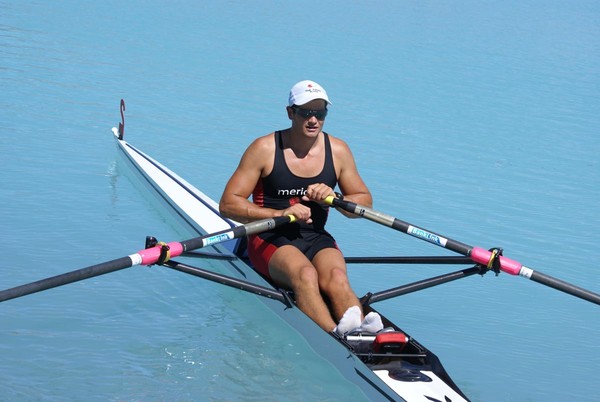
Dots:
pixel 372 323
pixel 349 321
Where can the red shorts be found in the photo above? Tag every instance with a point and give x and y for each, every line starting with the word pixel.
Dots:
pixel 262 246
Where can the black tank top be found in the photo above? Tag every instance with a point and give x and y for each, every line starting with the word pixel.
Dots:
pixel 282 189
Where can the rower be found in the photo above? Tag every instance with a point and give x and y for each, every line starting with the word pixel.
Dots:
pixel 291 172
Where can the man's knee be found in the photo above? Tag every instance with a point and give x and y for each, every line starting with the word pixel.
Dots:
pixel 308 277
pixel 336 281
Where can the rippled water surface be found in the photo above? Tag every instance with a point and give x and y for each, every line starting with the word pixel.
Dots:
pixel 477 121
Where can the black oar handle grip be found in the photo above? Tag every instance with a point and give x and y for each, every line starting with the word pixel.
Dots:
pixel 264 225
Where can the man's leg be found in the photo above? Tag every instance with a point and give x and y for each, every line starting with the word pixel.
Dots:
pixel 290 268
pixel 333 281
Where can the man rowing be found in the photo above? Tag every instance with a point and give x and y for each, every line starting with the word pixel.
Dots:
pixel 291 172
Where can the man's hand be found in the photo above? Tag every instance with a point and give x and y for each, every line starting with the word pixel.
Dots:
pixel 318 192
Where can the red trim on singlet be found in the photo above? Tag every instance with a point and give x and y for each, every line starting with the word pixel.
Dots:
pixel 258 195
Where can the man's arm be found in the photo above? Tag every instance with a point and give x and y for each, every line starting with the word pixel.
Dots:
pixel 350 182
pixel 234 202
pixel 257 160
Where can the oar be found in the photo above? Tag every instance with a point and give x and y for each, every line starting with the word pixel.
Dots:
pixel 157 254
pixel 477 254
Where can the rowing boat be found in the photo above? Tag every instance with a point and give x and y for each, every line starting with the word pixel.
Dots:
pixel 387 366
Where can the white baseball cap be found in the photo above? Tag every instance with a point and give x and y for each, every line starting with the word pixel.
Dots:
pixel 306 91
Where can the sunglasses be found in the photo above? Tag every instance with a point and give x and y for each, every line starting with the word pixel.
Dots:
pixel 307 113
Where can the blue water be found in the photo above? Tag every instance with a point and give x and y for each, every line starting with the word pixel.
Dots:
pixel 476 120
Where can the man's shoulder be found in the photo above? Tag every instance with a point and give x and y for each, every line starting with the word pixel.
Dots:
pixel 266 142
pixel 262 147
pixel 337 144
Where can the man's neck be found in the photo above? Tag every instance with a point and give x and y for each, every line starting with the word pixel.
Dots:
pixel 301 144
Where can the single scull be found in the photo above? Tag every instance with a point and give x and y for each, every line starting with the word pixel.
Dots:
pixel 386 366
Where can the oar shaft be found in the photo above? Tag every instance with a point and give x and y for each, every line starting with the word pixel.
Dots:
pixel 563 286
pixel 477 254
pixel 152 255
pixel 147 256
pixel 248 229
pixel 397 224
pixel 64 279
